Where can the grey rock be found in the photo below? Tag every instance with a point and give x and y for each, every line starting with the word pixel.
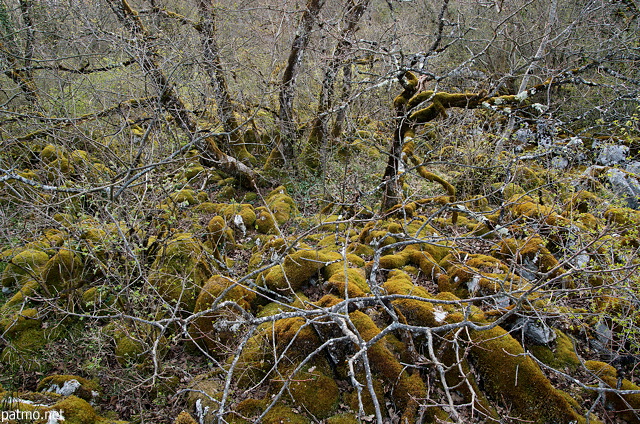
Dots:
pixel 613 155
pixel 633 167
pixel 625 186
pixel 525 135
pixel 559 162
pixel 534 330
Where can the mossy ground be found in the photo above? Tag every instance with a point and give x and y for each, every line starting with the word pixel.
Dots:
pixel 308 266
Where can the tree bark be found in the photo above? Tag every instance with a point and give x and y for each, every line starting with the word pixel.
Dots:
pixel 318 135
pixel 287 89
pixel 213 67
pixel 23 78
pixel 148 60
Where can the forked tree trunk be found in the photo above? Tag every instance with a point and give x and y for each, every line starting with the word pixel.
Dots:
pixel 213 67
pixel 318 135
pixel 148 59
pixel 287 89
pixel 19 73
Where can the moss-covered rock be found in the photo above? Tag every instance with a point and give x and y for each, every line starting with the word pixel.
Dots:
pixel 626 406
pixel 296 269
pixel 204 329
pixel 281 414
pixel 561 355
pixel 515 379
pixel 70 385
pixel 315 389
pixel 406 388
pixel 62 272
pixel 281 205
pixel 24 266
pixel 180 270
pixel 265 222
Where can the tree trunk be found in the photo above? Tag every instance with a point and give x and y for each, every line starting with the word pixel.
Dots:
pixel 213 67
pixel 171 102
pixel 287 89
pixel 318 135
pixel 9 51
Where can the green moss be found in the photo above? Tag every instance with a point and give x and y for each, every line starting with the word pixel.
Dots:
pixel 298 333
pixel 206 391
pixel 51 153
pixel 532 248
pixel 180 270
pixel 354 281
pixel 296 269
pixel 23 267
pixel 29 288
pixel 516 380
pixel 316 391
pixel 425 261
pixel 87 389
pixel 346 418
pixel 405 388
pixel 13 325
pixel 622 217
pixel 219 289
pixel 254 358
pixel 281 205
pixel 77 411
pixel 62 272
pixel 281 414
pixel 185 195
pixel 394 261
pixel 128 350
pixel 624 406
pixel 184 418
pixel 219 235
pixel 265 222
pixel 561 356
pixel 22 347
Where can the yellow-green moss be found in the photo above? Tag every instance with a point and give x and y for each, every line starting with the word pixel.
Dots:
pixel 28 288
pixel 560 356
pixel 281 414
pixel 351 398
pixel 516 380
pixel 77 411
pixel 219 235
pixel 184 418
pixel 316 391
pixel 346 418
pixel 51 153
pixel 281 205
pixel 625 406
pixel 128 350
pixel 206 391
pixel 180 270
pixel 62 272
pixel 265 222
pixel 185 195
pixel 360 249
pixel 532 248
pixel 296 269
pixel 354 280
pixel 405 388
pixel 202 330
pixel 299 333
pixel 24 266
pixel 87 390
pixel 23 345
pixel 19 322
